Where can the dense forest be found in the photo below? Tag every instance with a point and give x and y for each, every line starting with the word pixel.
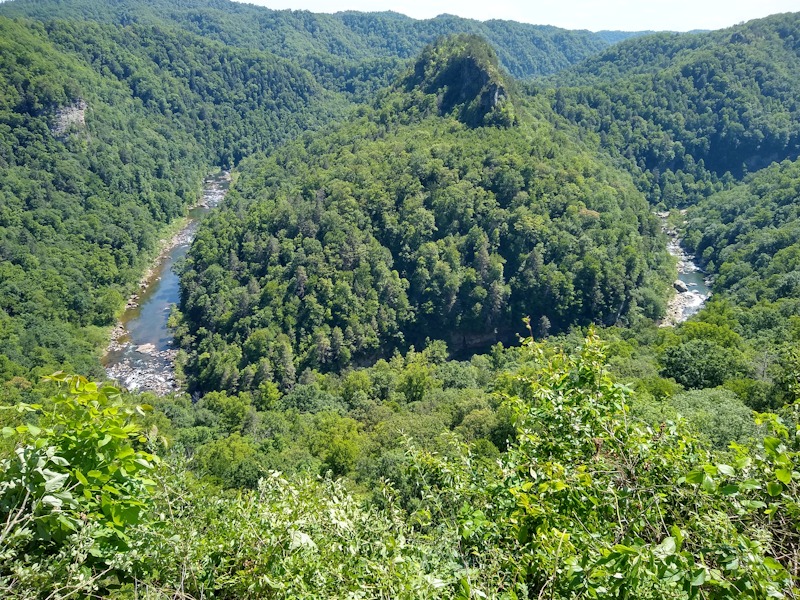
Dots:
pixel 346 50
pixel 689 113
pixel 106 134
pixel 421 353
pixel 406 225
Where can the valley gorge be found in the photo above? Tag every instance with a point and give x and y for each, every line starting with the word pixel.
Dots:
pixel 398 308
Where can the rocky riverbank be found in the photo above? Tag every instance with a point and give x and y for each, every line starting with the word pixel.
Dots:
pixel 155 373
pixel 692 288
pixel 140 354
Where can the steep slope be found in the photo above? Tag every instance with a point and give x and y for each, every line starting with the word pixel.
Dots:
pixel 749 236
pixel 335 47
pixel 234 101
pixel 463 73
pixel 105 134
pixel 684 110
pixel 417 220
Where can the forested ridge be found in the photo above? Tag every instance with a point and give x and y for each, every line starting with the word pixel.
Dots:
pixel 408 224
pixel 359 417
pixel 342 48
pixel 86 196
pixel 748 235
pixel 691 112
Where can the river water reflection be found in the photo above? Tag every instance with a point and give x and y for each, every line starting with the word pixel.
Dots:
pixel 142 353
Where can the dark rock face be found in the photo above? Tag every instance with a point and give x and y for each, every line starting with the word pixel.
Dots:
pixel 681 287
pixel 463 72
pixel 461 82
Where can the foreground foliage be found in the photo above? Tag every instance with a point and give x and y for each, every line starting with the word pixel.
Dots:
pixel 587 502
pixel 76 483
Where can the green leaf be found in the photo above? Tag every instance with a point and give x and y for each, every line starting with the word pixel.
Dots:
pixel 677 534
pixel 730 489
pixel 783 460
pixel 774 488
pixel 81 477
pixel 522 534
pixel 666 548
pixel 52 501
pixel 117 432
pixel 143 463
pixel 708 484
pixel 7 432
pixel 125 453
pixel 68 524
pixel 698 578
pixel 53 481
pixel 726 470
pixel 732 565
pixel 771 444
pixel 784 476
pixel 696 477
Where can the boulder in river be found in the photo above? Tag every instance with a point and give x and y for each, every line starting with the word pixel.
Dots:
pixel 680 286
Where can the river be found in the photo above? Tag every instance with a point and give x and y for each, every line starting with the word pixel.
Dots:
pixel 142 353
pixel 692 288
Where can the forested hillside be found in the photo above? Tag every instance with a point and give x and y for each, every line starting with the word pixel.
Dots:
pixel 686 110
pixel 749 236
pixel 106 133
pixel 359 416
pixel 450 210
pixel 345 50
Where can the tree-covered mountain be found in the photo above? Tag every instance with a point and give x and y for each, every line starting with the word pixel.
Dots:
pixel 105 134
pixel 450 210
pixel 113 113
pixel 749 236
pixel 330 446
pixel 341 49
pixel 685 110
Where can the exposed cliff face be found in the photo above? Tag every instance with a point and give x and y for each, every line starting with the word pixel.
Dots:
pixel 67 118
pixel 464 73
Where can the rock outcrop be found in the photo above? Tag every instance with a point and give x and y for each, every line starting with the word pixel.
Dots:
pixel 680 286
pixel 464 73
pixel 70 117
